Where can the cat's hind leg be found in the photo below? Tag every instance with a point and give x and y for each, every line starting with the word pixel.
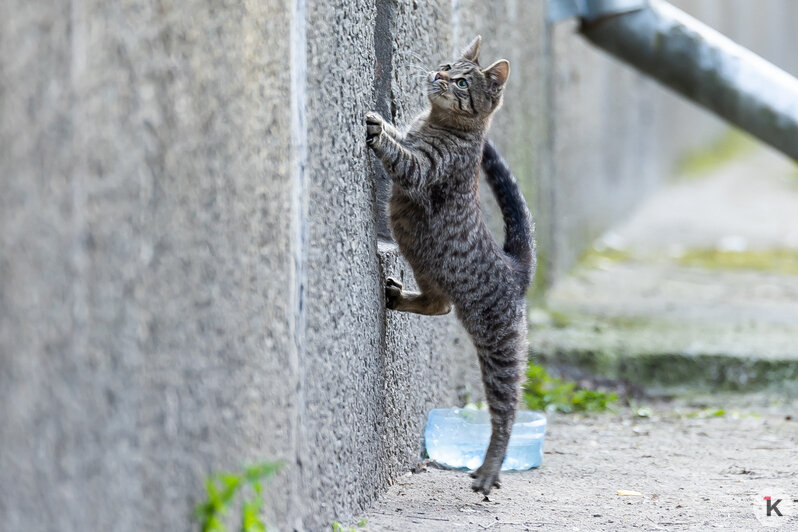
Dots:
pixel 425 302
pixel 501 375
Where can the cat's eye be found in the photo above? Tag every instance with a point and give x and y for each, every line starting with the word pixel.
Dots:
pixel 446 68
pixel 463 84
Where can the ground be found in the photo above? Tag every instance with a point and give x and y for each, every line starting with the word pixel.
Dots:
pixel 696 293
pixel 696 469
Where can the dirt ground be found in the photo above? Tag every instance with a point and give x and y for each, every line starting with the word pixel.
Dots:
pixel 694 468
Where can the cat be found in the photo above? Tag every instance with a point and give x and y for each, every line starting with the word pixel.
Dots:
pixel 437 221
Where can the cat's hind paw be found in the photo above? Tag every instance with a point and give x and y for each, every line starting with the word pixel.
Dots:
pixel 485 479
pixel 393 293
pixel 374 127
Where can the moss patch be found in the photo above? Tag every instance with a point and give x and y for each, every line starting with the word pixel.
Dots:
pixel 784 261
pixel 679 370
pixel 595 258
pixel 731 145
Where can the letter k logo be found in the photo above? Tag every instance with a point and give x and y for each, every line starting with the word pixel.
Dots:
pixel 772 506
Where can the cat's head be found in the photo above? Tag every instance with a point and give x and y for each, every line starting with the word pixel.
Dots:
pixel 466 91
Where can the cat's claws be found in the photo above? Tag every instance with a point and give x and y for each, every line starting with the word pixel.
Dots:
pixel 485 480
pixel 373 127
pixel 393 293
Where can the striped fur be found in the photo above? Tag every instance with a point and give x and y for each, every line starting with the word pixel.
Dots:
pixel 518 228
pixel 437 221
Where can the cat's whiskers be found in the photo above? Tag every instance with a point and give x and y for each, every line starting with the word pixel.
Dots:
pixel 423 60
pixel 418 68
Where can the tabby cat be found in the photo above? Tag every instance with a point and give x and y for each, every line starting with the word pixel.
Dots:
pixel 437 221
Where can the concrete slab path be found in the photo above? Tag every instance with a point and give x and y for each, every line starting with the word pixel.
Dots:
pixel 698 287
pixel 694 470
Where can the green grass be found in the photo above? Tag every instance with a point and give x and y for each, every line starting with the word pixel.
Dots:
pixel 784 261
pixel 338 527
pixel 544 392
pixel 222 489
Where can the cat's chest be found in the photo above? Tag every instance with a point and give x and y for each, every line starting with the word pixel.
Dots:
pixel 448 158
pixel 435 206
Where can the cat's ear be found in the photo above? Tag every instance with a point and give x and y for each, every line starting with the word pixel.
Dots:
pixel 497 73
pixel 471 53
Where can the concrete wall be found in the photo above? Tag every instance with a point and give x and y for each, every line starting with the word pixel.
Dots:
pixel 615 135
pixel 190 268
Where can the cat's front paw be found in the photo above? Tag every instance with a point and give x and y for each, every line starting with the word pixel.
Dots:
pixel 393 293
pixel 373 127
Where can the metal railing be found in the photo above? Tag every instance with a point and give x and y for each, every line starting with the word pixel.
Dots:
pixel 694 60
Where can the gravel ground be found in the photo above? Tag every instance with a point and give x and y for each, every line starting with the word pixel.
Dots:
pixel 694 471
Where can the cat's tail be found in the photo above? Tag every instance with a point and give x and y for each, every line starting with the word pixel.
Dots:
pixel 518 226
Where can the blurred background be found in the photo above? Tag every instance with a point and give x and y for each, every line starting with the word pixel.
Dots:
pixel 191 263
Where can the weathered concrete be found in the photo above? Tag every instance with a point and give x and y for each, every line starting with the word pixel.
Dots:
pixel 694 470
pixel 191 277
pixel 147 239
pixel 190 268
pixel 698 288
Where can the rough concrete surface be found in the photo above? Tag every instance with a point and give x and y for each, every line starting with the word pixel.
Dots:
pixel 146 240
pixel 694 470
pixel 190 268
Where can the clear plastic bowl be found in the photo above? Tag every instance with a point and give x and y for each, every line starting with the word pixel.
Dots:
pixel 458 437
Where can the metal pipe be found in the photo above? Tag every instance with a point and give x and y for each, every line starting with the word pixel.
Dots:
pixel 708 68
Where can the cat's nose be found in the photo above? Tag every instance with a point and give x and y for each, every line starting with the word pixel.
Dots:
pixel 441 75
